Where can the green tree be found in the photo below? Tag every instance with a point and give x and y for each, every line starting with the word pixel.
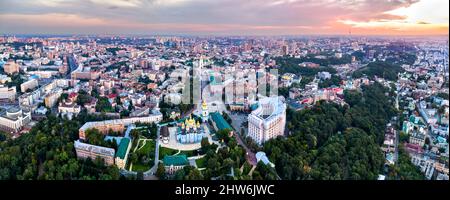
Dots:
pixel 404 169
pixel 194 175
pixel 179 175
pixel 83 98
pixel 140 175
pixel 205 144
pixel 161 171
pixel 385 70
pixel 103 105
pixel 352 97
pixel 333 142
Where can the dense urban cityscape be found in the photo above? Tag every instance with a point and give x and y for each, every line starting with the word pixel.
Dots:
pixel 224 108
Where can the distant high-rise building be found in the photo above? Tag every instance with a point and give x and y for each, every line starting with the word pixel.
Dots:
pixel 285 50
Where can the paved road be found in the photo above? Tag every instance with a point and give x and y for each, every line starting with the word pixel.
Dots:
pixel 397 135
pixel 155 166
pixel 193 159
pixel 6 105
pixel 73 65
pixel 237 120
pixel 397 141
pixel 150 174
pixel 251 157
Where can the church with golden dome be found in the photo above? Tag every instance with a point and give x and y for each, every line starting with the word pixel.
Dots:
pixel 190 131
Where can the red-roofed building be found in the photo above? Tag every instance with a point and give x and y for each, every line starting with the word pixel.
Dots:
pixel 338 90
pixel 73 97
pixel 413 148
pixel 112 96
pixel 152 86
pixel 112 99
pixel 306 101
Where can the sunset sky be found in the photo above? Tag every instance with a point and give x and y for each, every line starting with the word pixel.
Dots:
pixel 225 17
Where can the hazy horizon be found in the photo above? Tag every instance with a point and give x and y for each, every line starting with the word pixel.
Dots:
pixel 215 35
pixel 226 17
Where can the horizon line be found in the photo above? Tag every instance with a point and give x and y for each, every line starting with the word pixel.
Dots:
pixel 222 35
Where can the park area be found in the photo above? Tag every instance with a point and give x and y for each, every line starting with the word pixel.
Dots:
pixel 201 162
pixel 164 151
pixel 142 155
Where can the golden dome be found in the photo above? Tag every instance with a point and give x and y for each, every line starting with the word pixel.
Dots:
pixel 189 123
pixel 204 105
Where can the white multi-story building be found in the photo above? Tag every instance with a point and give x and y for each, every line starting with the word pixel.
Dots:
pixel 52 97
pixel 30 99
pixel 425 163
pixel 62 83
pixel 4 78
pixel 69 109
pixel 324 75
pixel 8 93
pixel 14 119
pixel 137 99
pixel 268 120
pixel 122 153
pixel 31 84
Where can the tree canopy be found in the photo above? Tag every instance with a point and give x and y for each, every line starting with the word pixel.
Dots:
pixel 291 65
pixel 47 153
pixel 330 141
pixel 380 69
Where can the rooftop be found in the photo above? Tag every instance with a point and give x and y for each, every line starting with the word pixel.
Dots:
pixel 96 149
pixel 221 123
pixel 123 146
pixel 178 160
pixel 269 107
pixel 165 131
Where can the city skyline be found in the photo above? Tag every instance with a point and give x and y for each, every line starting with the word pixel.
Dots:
pixel 201 17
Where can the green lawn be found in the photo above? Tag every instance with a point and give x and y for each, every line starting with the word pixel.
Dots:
pixel 149 150
pixel 189 153
pixel 141 168
pixel 146 132
pixel 201 163
pixel 163 151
